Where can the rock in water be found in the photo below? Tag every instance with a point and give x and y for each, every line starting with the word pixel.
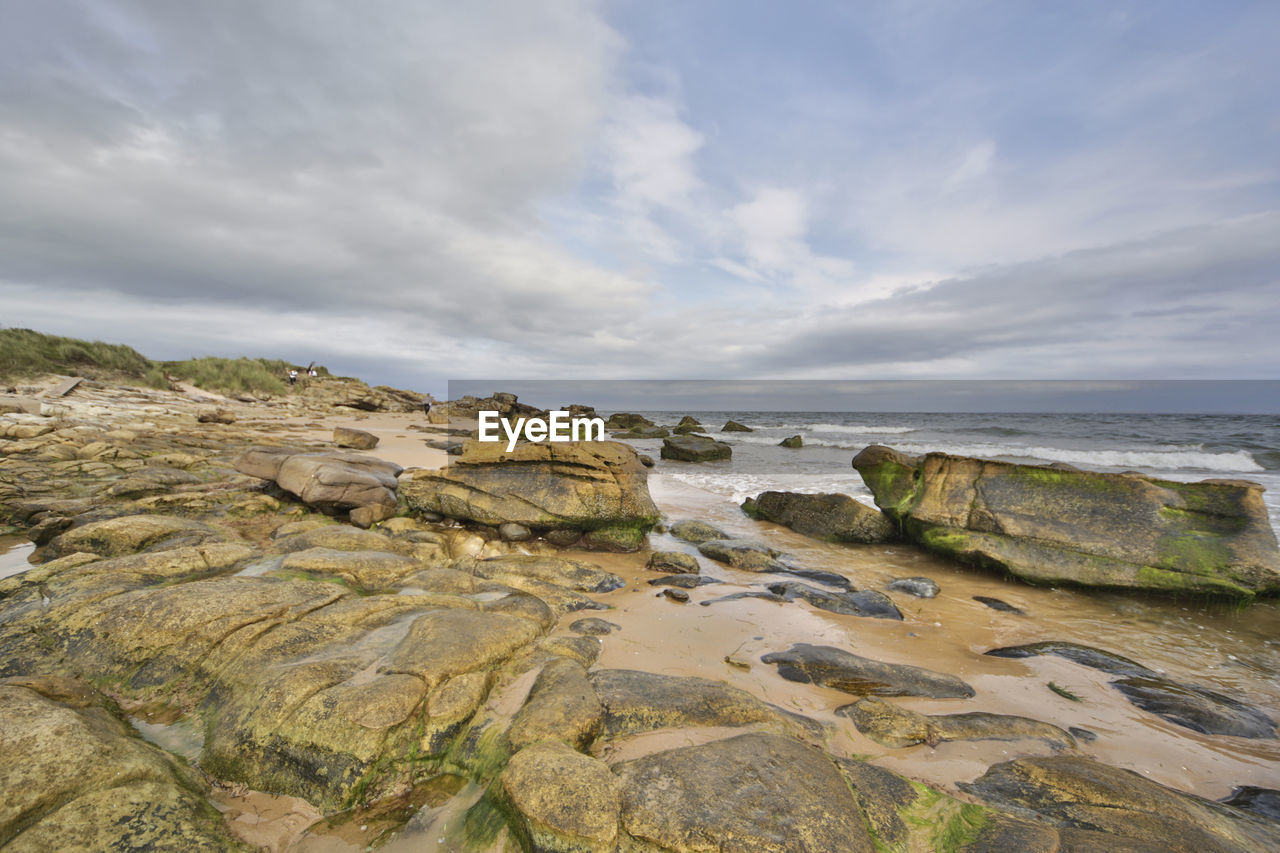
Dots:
pixel 997 604
pixel 919 587
pixel 830 517
pixel 354 438
pixel 742 554
pixel 795 442
pixel 1052 525
pixel 597 487
pixel 695 448
pixel 734 426
pixel 674 562
pixel 831 667
pixel 1196 708
pixel 696 532
pixel 894 726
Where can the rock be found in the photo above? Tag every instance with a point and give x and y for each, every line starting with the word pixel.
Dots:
pixel 831 667
pixel 894 726
pixel 920 587
pixel 1188 705
pixel 130 534
pixel 1196 708
pixel 367 570
pixel 689 421
pixel 567 802
pixel 637 702
pixel 644 432
pixel 997 604
pixel 744 554
pixel 573 574
pixel 1264 802
pixel 626 420
pixel 338 537
pixel 216 416
pixel 794 442
pixel 446 643
pixel 754 792
pixel 677 595
pixel 867 602
pixel 593 627
pixel 734 426
pixel 683 581
pixel 673 562
pixel 468 408
pixel 357 439
pixel 74 777
pixel 1104 661
pixel 646 460
pixel 512 532
pixel 694 448
pixel 830 517
pixel 595 487
pixel 1049 525
pixel 1079 793
pixel 365 517
pixel 330 482
pixel 561 706
pixel 696 532
pixel 563 537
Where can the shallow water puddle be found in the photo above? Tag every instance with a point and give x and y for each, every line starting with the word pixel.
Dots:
pixel 14 552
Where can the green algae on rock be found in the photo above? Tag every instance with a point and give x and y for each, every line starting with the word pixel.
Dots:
pixel 1058 525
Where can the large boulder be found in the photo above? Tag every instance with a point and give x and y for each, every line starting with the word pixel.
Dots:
pixel 830 517
pixel 598 487
pixel 695 448
pixel 1056 525
pixel 331 482
pixel 355 438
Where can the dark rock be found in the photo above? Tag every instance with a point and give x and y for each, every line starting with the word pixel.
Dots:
pixel 794 442
pixel 683 581
pixel 676 595
pixel 673 562
pixel 695 448
pixel 1081 734
pixel 830 517
pixel 867 602
pixel 1264 802
pixel 689 421
pixel 1104 661
pixel 562 537
pixel 919 587
pixel 625 421
pixel 825 578
pixel 646 460
pixel 696 532
pixel 997 604
pixel 734 426
pixel 512 532
pixel 1050 525
pixel 1196 708
pixel 831 667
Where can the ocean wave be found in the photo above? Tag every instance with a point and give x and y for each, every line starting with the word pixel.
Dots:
pixel 855 429
pixel 1164 459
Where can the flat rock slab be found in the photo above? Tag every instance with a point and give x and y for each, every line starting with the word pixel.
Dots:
pixel 754 792
pixel 894 726
pixel 130 534
pixel 828 666
pixel 64 387
pixel 695 448
pixel 327 481
pixel 744 554
pixel 1077 792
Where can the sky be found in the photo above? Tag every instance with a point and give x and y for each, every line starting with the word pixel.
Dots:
pixel 420 191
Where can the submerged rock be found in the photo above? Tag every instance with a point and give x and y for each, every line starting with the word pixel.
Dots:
pixel 694 448
pixel 828 666
pixel 1053 525
pixel 592 626
pixel 596 487
pixel 1196 708
pixel 830 517
pixel 894 726
pixel 919 587
pixel 1264 802
pixel 1103 661
pixel 683 581
pixel 1079 793
pixel 867 602
pixel 1001 606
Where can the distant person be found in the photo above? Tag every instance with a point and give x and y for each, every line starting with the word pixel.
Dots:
pixel 313 372
pixel 293 377
pixel 426 407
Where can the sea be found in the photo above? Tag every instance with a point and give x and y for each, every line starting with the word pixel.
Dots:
pixel 1172 447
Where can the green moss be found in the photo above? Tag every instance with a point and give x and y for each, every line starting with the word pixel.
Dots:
pixel 1064 692
pixel 894 487
pixel 1152 577
pixel 942 823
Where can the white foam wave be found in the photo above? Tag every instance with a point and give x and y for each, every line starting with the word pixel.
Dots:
pixel 1163 459
pixel 852 429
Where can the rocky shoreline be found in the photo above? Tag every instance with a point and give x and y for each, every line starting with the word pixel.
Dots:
pixel 438 646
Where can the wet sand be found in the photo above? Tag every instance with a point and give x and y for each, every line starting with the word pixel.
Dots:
pixel 1233 650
